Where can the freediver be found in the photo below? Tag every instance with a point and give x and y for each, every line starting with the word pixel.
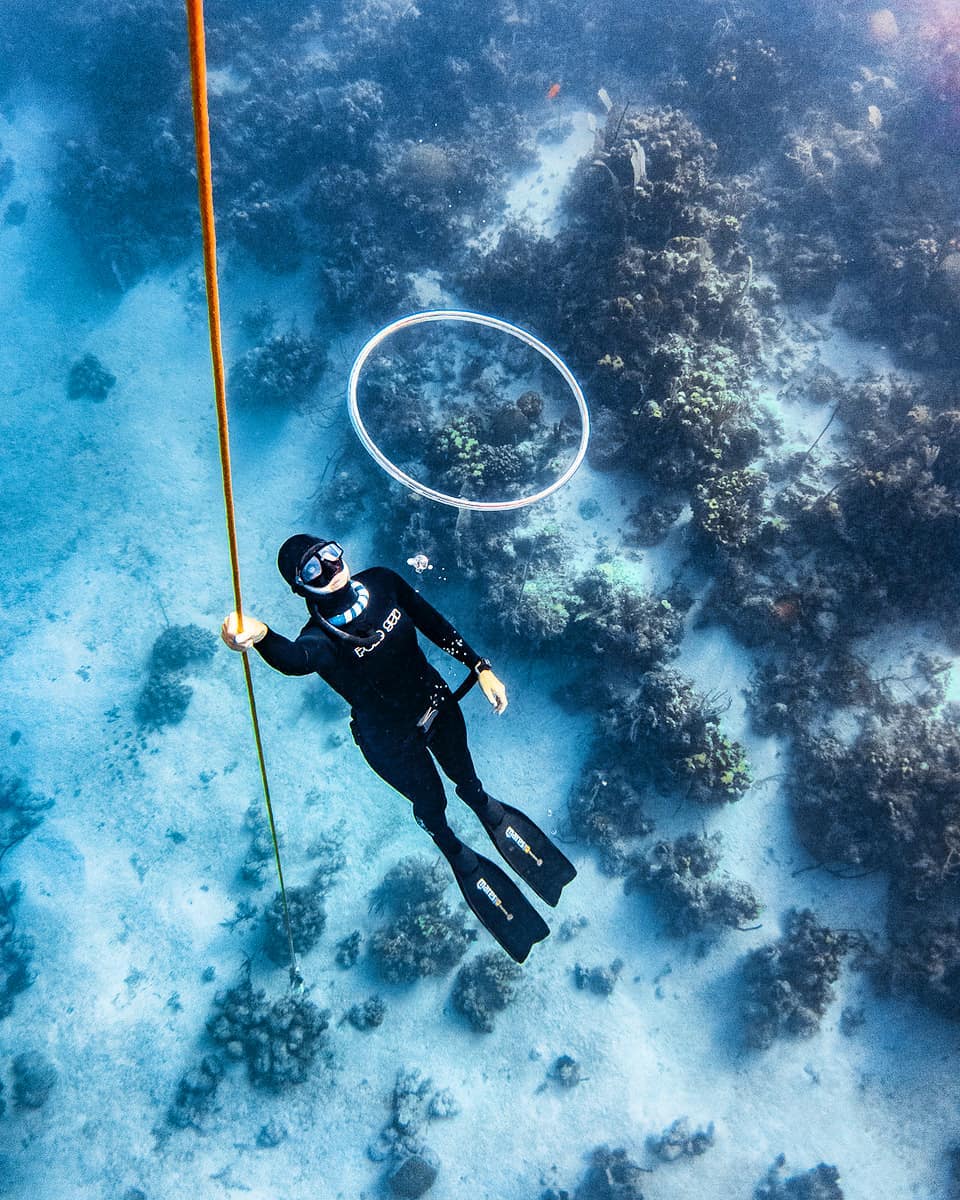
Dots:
pixel 361 639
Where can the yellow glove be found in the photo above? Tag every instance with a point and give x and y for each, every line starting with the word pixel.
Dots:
pixel 253 631
pixel 494 690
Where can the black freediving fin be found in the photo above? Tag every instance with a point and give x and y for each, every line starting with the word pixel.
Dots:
pixel 498 904
pixel 529 851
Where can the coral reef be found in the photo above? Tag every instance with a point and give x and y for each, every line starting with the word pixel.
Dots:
pixel 678 1140
pixel 606 810
pixel 21 811
pixel 599 980
pixel 484 987
pixel 182 646
pixel 640 628
pixel 348 949
pixel 612 1176
pixel 34 1078
pixel 414 1103
pixel 282 371
pixel 423 936
pixel 196 1094
pixel 368 1015
pixel 89 378
pixel 672 733
pixel 789 983
pixel 16 952
pixel 819 1183
pixel 278 1040
pixel 887 800
pixel 682 875
pixel 307 916
pixel 165 696
pixel 163 701
pixel 565 1071
pixel 259 860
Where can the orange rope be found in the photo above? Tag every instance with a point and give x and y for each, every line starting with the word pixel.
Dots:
pixel 201 132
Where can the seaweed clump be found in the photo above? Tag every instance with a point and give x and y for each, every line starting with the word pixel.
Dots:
pixel 423 935
pixel 682 875
pixel 790 982
pixel 484 987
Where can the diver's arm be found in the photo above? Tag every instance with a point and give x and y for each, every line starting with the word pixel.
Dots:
pixel 432 625
pixel 302 657
pixel 439 630
pixel 289 658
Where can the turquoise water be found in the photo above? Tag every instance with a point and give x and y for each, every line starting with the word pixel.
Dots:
pixel 746 249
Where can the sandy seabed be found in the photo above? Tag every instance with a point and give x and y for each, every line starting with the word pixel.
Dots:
pixel 113 528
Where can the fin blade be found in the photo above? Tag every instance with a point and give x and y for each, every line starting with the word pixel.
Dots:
pixel 534 857
pixel 502 909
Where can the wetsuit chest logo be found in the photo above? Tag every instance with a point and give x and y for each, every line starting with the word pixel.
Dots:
pixel 392 618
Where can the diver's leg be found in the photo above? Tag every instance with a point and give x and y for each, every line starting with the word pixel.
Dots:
pixel 404 763
pixel 448 741
pixel 496 901
pixel 521 842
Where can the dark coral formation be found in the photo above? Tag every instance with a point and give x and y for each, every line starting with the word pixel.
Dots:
pixel 414 1102
pixel 682 874
pixel 181 646
pixel 423 935
pixel 166 694
pixel 196 1094
pixel 612 1175
pixel 16 952
pixel 282 371
pixel 34 1078
pixel 484 987
pixel 821 1182
pixel 279 1040
pixel 89 378
pixel 888 801
pixel 607 811
pixel 307 917
pixel 672 732
pixel 679 1140
pixel 21 811
pixel 599 980
pixel 789 983
pixel 368 1014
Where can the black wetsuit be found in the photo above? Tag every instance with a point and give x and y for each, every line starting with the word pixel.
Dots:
pixel 389 685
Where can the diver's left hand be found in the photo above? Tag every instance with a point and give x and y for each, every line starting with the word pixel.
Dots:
pixel 494 690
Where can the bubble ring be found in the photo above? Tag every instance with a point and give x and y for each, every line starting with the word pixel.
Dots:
pixel 472 318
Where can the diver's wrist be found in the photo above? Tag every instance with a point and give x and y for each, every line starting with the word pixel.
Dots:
pixel 483 664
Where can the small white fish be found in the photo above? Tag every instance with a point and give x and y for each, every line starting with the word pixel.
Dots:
pixel 420 563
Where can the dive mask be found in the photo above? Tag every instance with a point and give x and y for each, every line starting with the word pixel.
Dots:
pixel 320 564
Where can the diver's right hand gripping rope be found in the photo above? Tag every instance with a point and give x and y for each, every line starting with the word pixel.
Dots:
pixel 201 130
